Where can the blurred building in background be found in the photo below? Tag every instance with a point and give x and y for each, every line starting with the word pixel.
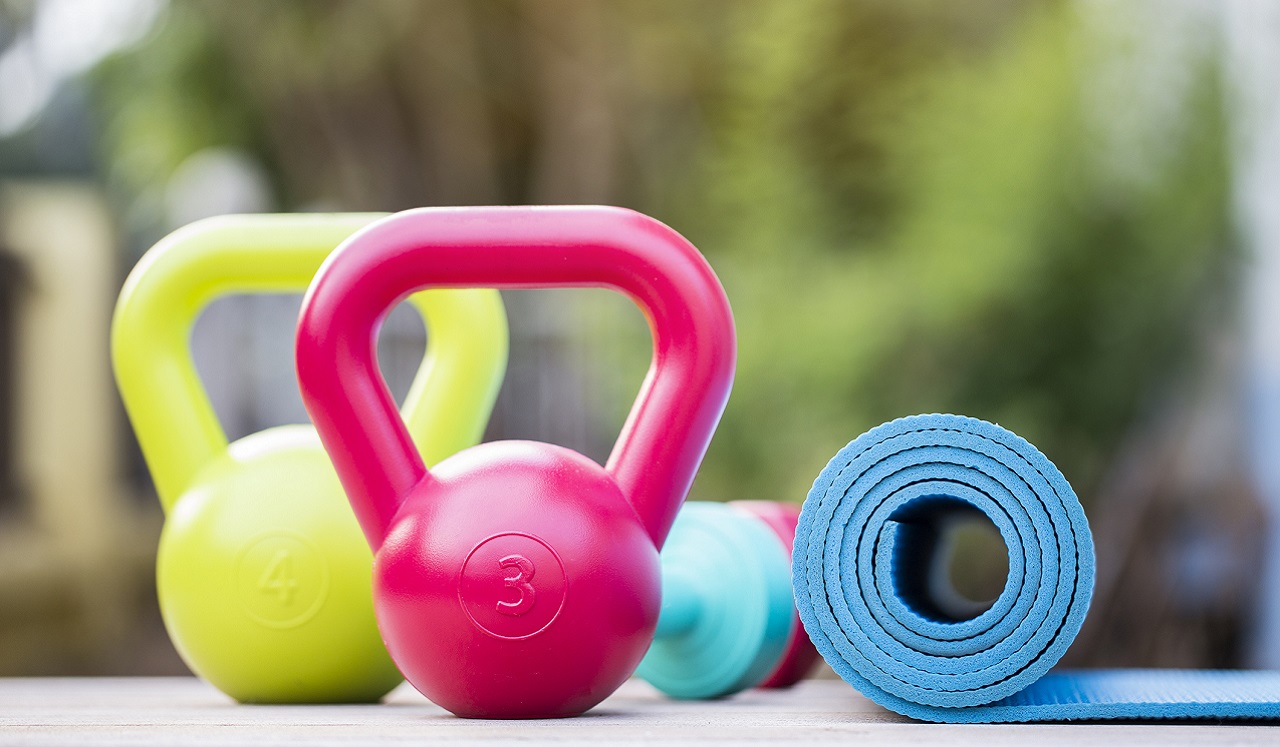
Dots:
pixel 75 545
pixel 1039 213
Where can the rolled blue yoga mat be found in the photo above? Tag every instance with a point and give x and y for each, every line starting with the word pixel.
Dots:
pixel 868 587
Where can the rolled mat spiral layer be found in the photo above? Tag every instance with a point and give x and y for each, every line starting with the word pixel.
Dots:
pixel 868 587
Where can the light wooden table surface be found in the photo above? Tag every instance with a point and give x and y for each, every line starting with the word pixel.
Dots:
pixel 167 711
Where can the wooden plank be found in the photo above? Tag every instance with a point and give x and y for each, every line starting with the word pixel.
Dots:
pixel 163 711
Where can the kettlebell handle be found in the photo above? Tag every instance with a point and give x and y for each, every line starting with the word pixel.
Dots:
pixel 680 402
pixel 177 428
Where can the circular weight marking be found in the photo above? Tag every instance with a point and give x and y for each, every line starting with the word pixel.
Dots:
pixel 513 585
pixel 282 580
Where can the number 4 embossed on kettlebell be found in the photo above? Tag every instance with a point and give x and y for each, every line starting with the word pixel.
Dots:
pixel 279 579
pixel 519 582
pixel 282 580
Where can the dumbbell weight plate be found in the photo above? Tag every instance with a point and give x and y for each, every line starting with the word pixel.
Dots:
pixel 734 579
pixel 800 655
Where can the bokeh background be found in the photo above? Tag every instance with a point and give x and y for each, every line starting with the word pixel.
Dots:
pixel 1061 215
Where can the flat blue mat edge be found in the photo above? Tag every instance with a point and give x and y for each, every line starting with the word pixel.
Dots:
pixel 1137 694
pixel 1084 695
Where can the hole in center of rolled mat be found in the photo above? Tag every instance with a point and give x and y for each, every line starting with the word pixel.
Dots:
pixel 949 561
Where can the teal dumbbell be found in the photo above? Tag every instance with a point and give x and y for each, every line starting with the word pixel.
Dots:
pixel 728 621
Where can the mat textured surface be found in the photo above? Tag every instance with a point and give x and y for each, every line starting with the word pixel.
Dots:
pixel 870 589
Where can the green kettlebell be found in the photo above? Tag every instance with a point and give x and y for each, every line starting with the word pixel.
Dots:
pixel 263 575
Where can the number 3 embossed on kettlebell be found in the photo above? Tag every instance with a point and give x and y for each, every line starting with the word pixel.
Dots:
pixel 519 582
pixel 497 590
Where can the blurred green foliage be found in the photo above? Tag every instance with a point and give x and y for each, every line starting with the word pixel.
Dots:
pixel 914 206
pixel 941 231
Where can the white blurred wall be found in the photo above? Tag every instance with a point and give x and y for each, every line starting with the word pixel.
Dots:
pixel 1252 70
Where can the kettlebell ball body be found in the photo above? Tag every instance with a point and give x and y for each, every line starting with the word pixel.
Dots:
pixel 262 573
pixel 517 579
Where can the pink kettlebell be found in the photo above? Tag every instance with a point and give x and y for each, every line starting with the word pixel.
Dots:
pixel 517 579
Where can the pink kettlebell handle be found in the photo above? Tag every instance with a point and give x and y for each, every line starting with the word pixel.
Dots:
pixel 680 403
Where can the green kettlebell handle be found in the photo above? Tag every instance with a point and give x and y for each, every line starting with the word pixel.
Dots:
pixel 448 403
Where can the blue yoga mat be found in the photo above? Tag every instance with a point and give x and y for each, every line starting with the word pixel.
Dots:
pixel 870 596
